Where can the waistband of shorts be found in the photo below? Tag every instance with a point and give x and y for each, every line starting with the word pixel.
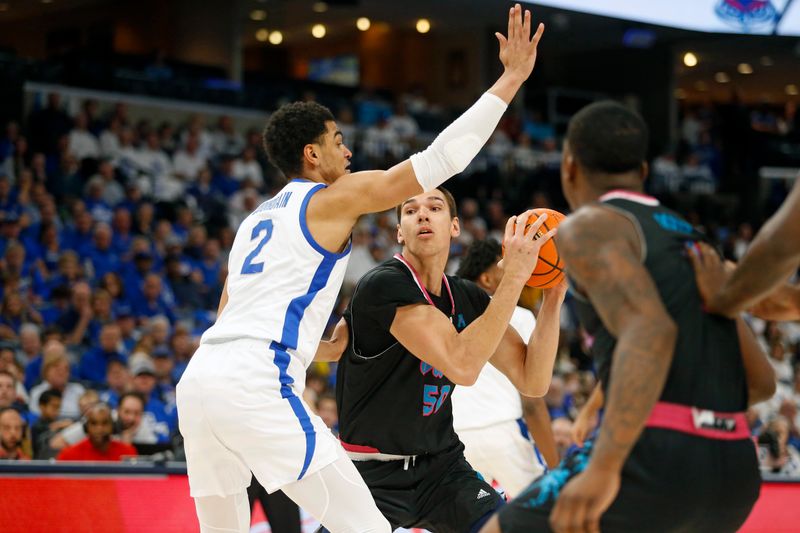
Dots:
pixel 699 422
pixel 357 452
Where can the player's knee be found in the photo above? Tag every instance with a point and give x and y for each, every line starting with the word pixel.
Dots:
pixel 492 526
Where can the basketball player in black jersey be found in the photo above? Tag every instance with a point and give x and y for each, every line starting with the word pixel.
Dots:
pixel 414 335
pixel 771 258
pixel 673 451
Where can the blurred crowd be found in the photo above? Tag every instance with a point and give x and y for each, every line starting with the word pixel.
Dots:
pixel 114 236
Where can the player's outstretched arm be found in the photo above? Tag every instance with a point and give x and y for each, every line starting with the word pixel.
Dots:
pixel 781 305
pixel 332 349
pixel 530 367
pixel 462 355
pixel 773 256
pixel 759 373
pixel 602 252
pixel 584 422
pixel 537 417
pixel 373 191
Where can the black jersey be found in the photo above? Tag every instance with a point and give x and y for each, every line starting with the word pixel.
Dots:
pixel 389 400
pixel 707 369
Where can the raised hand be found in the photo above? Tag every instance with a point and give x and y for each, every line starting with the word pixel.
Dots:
pixel 517 49
pixel 521 247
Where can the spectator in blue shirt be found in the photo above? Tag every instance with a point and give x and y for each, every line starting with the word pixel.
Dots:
pixel 152 302
pixel 100 256
pixel 93 364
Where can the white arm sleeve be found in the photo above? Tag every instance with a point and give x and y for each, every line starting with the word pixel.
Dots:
pixel 459 143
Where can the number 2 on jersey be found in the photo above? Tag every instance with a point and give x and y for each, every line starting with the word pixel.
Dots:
pixel 249 267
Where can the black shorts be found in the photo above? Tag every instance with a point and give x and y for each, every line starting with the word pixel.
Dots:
pixel 672 482
pixel 441 493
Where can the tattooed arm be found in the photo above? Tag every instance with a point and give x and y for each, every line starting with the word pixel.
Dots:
pixel 603 255
pixel 772 257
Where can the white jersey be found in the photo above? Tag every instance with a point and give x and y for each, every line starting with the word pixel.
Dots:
pixel 282 285
pixel 493 398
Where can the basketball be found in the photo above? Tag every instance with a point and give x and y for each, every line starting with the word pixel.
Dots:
pixel 549 268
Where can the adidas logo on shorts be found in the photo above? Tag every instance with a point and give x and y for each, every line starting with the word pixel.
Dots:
pixel 482 494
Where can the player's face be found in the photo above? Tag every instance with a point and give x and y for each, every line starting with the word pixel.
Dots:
pixel 426 225
pixel 334 157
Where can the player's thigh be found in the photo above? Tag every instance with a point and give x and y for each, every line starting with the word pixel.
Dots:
pixel 339 499
pixel 460 499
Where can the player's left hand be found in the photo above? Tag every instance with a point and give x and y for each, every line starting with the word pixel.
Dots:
pixel 557 292
pixel 584 500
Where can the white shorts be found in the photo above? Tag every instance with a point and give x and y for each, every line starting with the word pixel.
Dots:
pixel 241 409
pixel 501 453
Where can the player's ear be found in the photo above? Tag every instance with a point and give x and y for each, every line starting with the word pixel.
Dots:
pixel 644 171
pixel 310 155
pixel 400 235
pixel 455 227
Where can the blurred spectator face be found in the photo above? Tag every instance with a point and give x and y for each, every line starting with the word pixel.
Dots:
pixel 29 341
pixel 144 383
pixel 51 409
pixel 10 430
pixel 84 222
pixel 5 186
pixel 81 295
pixel 54 101
pixel 211 250
pixel 117 376
pixel 12 305
pixel 50 235
pixel 127 325
pixel 226 124
pixel 101 303
pixel 15 257
pixel 181 345
pixel 249 154
pixel 153 142
pixel 152 287
pixel 7 391
pixel 110 337
pixel 226 166
pixel 164 366
pixel 99 426
pixel 81 121
pixel 57 374
pixel 562 429
pixel 122 220
pixel 184 217
pixel 192 144
pixel 87 400
pixel 68 265
pixel 106 169
pixel 102 237
pixel 326 409
pixel 130 412
pixel 112 284
pixel 197 237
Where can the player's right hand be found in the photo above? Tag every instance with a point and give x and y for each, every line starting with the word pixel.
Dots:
pixel 521 249
pixel 710 272
pixel 517 49
pixel 583 425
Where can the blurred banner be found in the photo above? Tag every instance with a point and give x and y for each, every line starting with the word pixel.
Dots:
pixel 161 504
pixel 763 17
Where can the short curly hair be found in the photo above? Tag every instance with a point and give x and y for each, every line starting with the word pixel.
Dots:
pixel 479 257
pixel 289 129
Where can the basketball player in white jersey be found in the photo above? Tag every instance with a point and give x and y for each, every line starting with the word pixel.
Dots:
pixel 488 416
pixel 240 399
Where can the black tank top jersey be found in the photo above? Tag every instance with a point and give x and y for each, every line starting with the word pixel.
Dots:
pixel 707 369
pixel 387 398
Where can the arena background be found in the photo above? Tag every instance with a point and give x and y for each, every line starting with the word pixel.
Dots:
pixel 130 151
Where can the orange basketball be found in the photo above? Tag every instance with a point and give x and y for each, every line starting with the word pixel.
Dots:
pixel 549 268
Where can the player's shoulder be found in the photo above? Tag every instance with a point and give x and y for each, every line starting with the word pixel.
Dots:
pixel 389 274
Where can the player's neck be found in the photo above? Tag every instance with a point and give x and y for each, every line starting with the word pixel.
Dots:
pixel 430 269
